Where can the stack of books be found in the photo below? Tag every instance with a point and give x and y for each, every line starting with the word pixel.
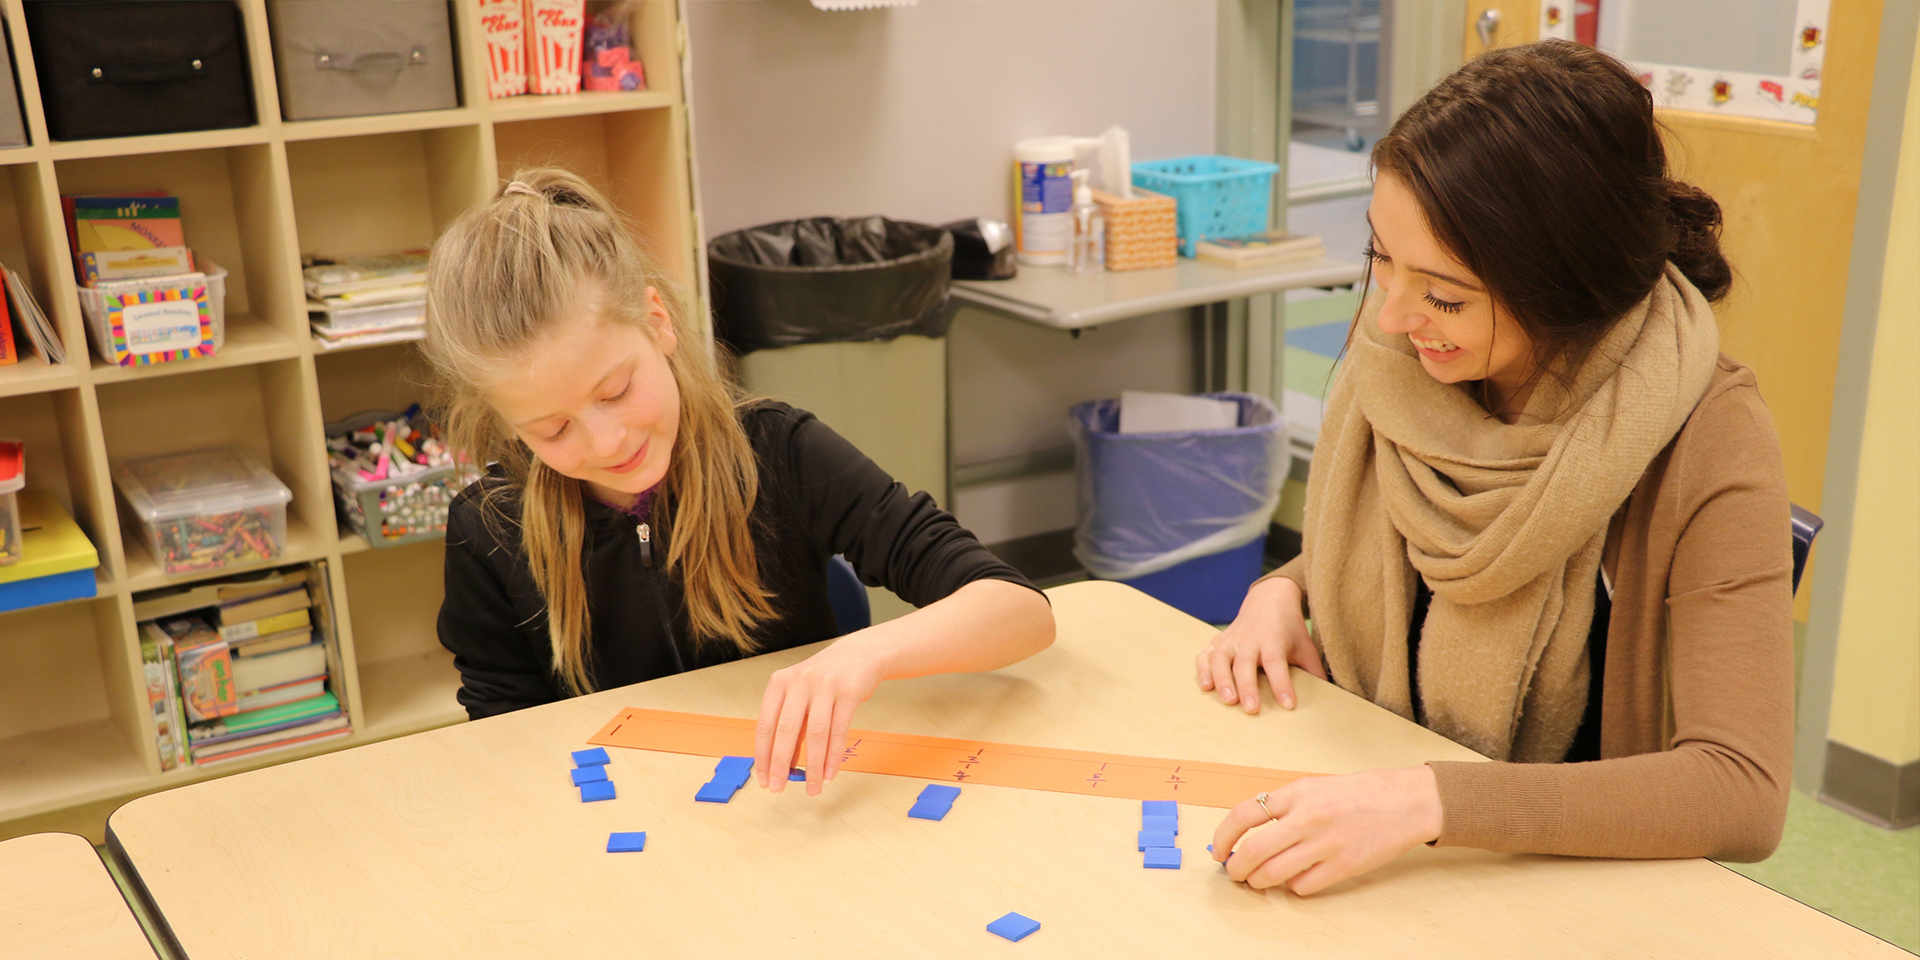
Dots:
pixel 1259 249
pixel 126 236
pixel 368 300
pixel 238 668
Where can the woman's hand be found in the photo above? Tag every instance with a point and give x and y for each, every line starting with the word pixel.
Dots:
pixel 815 698
pixel 1327 829
pixel 1269 633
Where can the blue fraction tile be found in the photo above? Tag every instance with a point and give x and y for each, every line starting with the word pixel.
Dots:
pixel 1013 926
pixel 927 810
pixel 1162 824
pixel 1162 858
pixel 1159 808
pixel 715 792
pixel 582 775
pixel 626 842
pixel 1155 838
pixel 945 793
pixel 796 774
pixel 596 790
pixel 591 758
pixel 733 768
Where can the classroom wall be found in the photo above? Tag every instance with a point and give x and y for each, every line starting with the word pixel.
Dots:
pixel 912 113
pixel 1876 686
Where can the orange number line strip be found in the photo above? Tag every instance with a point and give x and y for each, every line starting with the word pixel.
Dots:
pixel 964 761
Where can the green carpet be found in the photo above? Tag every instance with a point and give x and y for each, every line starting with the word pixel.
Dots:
pixel 1847 868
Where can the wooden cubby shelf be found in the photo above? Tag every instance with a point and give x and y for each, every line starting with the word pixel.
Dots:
pixel 76 735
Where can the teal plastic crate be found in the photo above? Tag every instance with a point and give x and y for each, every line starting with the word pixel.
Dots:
pixel 1217 196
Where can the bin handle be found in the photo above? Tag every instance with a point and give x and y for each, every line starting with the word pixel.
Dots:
pixel 147 71
pixel 380 60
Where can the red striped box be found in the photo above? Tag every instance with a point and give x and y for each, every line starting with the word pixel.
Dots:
pixel 503 23
pixel 555 30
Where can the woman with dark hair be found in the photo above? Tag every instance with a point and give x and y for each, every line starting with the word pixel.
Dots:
pixel 1546 517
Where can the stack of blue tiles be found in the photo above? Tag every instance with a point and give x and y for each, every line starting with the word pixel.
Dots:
pixel 729 775
pixel 590 774
pixel 1159 833
pixel 934 802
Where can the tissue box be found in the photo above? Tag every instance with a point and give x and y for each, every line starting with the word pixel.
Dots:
pixel 503 23
pixel 1142 233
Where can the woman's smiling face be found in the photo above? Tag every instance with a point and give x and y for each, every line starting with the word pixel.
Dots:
pixel 1460 332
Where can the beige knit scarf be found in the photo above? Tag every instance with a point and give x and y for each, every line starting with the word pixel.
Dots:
pixel 1412 477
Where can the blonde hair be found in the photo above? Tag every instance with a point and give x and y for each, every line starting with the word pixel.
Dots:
pixel 501 275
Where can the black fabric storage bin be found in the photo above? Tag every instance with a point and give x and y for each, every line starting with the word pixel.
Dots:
pixel 121 68
pixel 352 58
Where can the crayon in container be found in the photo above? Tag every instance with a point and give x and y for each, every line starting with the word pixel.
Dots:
pixel 206 509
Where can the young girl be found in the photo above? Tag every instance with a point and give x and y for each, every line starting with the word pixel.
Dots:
pixel 639 519
pixel 1546 517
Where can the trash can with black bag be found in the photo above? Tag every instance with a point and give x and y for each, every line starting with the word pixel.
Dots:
pixel 846 318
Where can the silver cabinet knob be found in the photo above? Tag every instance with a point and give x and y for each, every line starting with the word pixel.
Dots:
pixel 1488 22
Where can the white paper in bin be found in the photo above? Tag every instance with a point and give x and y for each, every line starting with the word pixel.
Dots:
pixel 1179 495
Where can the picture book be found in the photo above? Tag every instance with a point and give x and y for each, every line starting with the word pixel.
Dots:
pixel 97 265
pixel 284 693
pixel 326 730
pixel 33 321
pixel 206 669
pixel 252 674
pixel 262 721
pixel 8 352
pixel 170 735
pixel 282 599
pixel 248 629
pixel 273 642
pixel 333 279
pixel 126 223
pixel 1270 246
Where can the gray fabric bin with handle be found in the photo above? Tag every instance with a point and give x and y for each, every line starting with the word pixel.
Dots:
pixel 13 129
pixel 352 58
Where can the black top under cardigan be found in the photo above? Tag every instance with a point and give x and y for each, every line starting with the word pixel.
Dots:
pixel 818 496
pixel 1586 739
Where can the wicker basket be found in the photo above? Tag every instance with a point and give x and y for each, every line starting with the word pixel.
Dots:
pixel 1142 233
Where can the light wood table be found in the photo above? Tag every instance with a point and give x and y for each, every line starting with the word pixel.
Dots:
pixel 57 901
pixel 470 841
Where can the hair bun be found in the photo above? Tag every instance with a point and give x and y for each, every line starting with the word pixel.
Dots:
pixel 1696 238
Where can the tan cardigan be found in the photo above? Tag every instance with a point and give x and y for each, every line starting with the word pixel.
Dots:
pixel 1696 728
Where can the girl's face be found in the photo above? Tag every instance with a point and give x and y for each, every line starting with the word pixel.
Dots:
pixel 1460 332
pixel 595 400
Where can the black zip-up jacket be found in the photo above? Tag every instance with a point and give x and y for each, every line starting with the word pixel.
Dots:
pixel 818 496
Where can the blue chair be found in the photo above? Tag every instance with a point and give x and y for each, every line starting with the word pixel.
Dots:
pixel 1806 526
pixel 849 596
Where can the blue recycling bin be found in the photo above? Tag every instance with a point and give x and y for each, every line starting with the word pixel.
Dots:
pixel 1180 515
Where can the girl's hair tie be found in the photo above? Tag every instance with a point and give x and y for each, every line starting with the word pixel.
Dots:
pixel 518 187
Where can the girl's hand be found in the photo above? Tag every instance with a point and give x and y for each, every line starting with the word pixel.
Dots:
pixel 1327 829
pixel 815 699
pixel 1269 633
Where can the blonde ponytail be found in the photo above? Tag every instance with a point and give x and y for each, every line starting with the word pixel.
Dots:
pixel 498 276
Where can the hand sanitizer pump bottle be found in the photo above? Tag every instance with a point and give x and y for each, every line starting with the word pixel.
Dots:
pixel 1088 251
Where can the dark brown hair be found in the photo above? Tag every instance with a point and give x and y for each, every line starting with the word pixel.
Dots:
pixel 1540 168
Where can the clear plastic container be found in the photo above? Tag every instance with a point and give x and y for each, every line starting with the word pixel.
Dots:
pixel 138 322
pixel 13 476
pixel 206 509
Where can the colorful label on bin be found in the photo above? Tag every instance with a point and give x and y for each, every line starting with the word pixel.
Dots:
pixel 156 326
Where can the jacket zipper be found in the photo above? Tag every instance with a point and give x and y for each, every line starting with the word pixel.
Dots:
pixel 645 533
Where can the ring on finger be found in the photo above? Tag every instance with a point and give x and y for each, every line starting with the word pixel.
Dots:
pixel 1261 799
